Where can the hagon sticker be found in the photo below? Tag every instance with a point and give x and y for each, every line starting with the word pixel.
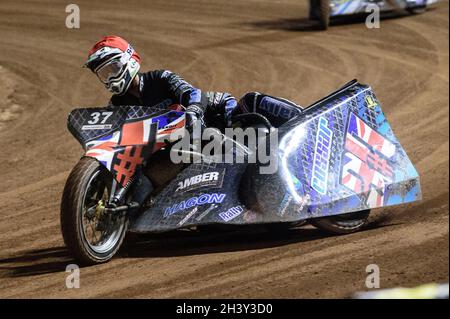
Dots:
pixel 366 167
pixel 319 178
pixel 193 202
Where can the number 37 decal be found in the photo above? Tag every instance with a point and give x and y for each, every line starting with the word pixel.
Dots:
pixel 99 117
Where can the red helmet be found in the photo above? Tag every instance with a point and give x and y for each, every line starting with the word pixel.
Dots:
pixel 115 63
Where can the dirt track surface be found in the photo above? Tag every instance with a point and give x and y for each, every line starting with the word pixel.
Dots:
pixel 233 46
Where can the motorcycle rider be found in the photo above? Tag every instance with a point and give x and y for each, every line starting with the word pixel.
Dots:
pixel 117 65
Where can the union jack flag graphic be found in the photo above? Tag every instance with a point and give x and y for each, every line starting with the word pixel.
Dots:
pixel 127 161
pixel 366 168
pixel 165 133
pixel 103 149
pixel 123 150
pixel 140 132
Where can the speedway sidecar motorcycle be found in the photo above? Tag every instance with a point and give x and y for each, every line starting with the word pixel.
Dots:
pixel 335 161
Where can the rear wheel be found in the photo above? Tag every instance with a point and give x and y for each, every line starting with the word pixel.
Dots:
pixel 320 11
pixel 90 233
pixel 417 10
pixel 342 224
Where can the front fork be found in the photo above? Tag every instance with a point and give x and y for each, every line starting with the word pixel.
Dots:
pixel 116 203
pixel 137 198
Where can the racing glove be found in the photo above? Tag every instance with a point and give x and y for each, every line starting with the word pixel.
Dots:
pixel 194 124
pixel 193 113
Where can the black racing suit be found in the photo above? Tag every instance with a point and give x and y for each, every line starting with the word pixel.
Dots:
pixel 163 87
pixel 216 108
pixel 167 88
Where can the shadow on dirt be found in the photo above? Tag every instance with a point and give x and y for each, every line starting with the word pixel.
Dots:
pixel 173 244
pixel 214 240
pixel 306 25
pixel 36 262
pixel 208 241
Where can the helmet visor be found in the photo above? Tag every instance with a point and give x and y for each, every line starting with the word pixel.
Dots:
pixel 110 70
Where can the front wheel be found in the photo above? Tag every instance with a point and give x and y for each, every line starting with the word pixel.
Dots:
pixel 91 234
pixel 342 224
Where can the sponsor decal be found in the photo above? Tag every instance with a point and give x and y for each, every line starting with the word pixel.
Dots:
pixel 166 73
pixel 319 178
pixel 370 102
pixel 217 97
pixel 195 96
pixel 277 108
pixel 232 213
pixel 287 199
pixel 97 127
pixel 366 168
pixel 170 126
pixel 305 201
pixel 212 179
pixel 193 202
pixel 206 212
pixel 186 218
